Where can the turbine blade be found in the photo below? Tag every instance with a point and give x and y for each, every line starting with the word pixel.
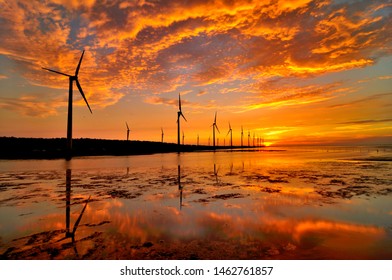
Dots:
pixel 62 239
pixel 229 129
pixel 127 125
pixel 80 62
pixel 56 72
pixel 215 118
pixel 179 102
pixel 183 116
pixel 82 93
pixel 80 217
pixel 217 128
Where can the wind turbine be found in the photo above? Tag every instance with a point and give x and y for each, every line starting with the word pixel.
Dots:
pixel 179 114
pixel 216 171
pixel 213 130
pixel 162 134
pixel 72 78
pixel 248 138
pixel 231 135
pixel 128 130
pixel 242 136
pixel 180 187
pixel 183 138
pixel 68 233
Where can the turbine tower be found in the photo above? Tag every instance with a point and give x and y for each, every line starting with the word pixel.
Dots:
pixel 72 78
pixel 231 135
pixel 180 187
pixel 213 130
pixel 179 115
pixel 242 136
pixel 162 134
pixel 128 130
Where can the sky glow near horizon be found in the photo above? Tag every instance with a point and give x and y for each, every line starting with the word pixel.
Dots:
pixel 298 71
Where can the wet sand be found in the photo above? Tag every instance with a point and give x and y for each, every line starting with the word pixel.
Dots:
pixel 285 205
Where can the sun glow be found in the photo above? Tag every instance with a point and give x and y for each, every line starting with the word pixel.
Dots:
pixel 268 143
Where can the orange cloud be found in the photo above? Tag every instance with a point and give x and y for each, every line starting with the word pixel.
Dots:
pixel 31 106
pixel 275 93
pixel 343 35
pixel 161 100
pixel 161 48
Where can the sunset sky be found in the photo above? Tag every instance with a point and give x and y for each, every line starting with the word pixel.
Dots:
pixel 291 72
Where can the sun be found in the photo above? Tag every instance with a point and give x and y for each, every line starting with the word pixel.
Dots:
pixel 267 144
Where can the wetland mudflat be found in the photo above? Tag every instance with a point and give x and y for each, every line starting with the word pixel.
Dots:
pixel 304 203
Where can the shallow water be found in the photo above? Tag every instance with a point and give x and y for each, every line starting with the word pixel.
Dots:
pixel 297 203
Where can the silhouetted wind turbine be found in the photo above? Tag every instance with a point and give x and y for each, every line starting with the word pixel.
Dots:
pixel 242 136
pixel 231 169
pixel 216 171
pixel 183 138
pixel 179 114
pixel 248 138
pixel 231 135
pixel 162 134
pixel 68 233
pixel 197 139
pixel 72 78
pixel 214 125
pixel 128 130
pixel 180 188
